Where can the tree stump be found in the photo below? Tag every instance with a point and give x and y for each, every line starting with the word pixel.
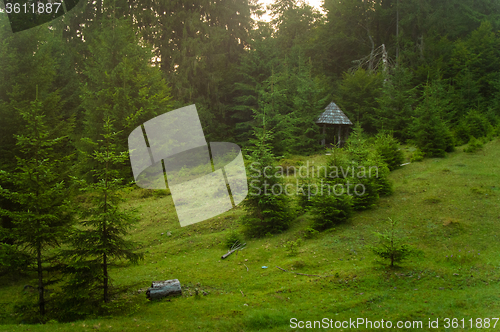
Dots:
pixel 160 289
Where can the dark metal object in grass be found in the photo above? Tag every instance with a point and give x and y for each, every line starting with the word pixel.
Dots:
pixel 235 247
pixel 160 289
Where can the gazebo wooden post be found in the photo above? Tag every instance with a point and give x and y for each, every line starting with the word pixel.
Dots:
pixel 324 136
pixel 340 136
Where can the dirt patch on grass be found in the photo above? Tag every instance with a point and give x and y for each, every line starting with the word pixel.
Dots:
pixel 451 222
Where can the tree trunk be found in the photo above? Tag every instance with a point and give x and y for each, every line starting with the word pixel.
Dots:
pixel 104 230
pixel 160 289
pixel 41 300
pixel 324 135
pixel 340 136
pixel 105 272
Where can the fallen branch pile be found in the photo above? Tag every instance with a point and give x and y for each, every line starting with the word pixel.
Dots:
pixel 236 246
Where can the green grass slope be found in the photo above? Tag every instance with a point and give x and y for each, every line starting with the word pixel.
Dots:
pixel 446 207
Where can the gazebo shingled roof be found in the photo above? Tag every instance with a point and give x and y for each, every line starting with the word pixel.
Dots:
pixel 333 115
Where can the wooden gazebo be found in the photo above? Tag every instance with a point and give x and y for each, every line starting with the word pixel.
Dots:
pixel 334 117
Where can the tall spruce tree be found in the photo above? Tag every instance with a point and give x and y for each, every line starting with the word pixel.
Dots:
pixel 255 67
pixel 198 45
pixel 274 112
pixel 30 59
pixel 357 95
pixel 308 103
pixel 102 238
pixel 119 81
pixel 474 67
pixel 37 187
pixel 267 203
pixel 290 101
pixel 394 111
pixel 432 134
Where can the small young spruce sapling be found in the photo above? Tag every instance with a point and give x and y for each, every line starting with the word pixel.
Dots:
pixel 391 246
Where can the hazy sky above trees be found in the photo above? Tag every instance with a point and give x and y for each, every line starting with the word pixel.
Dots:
pixel 315 3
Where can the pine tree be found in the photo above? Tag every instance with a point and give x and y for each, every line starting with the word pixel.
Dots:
pixel 291 100
pixel 431 133
pixel 254 68
pixel 357 97
pixel 394 111
pixel 104 225
pixel 357 144
pixel 267 204
pixel 308 103
pixel 332 204
pixel 392 246
pixel 38 188
pixel 275 108
pixel 119 81
pixel 474 65
pixel 389 150
pixel 200 44
pixel 31 64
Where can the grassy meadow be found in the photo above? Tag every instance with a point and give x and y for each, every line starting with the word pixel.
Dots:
pixel 448 208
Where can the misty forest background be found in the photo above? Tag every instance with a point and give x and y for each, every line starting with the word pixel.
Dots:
pixel 137 60
pixel 71 91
